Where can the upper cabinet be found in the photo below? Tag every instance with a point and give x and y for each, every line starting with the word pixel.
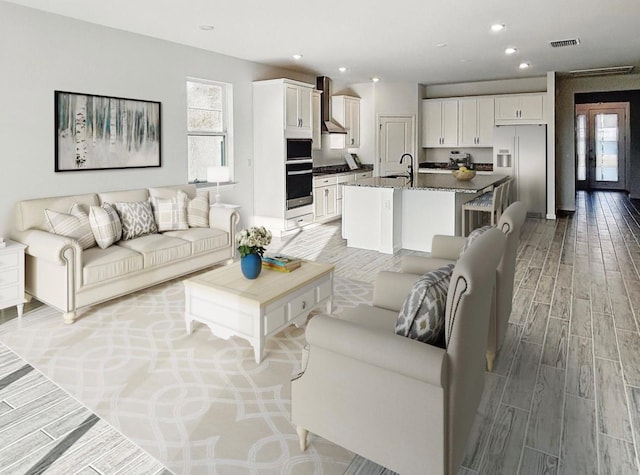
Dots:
pixel 520 108
pixel 476 121
pixel 346 110
pixel 316 119
pixel 298 110
pixel 440 123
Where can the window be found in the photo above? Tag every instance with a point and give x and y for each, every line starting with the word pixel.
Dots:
pixel 209 127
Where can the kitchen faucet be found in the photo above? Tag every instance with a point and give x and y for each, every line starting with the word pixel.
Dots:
pixel 410 166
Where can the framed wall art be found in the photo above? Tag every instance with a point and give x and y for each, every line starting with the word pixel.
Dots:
pixel 100 133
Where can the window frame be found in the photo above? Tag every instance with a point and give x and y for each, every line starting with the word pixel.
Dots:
pixel 227 126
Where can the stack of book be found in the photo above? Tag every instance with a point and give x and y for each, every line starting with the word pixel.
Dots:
pixel 281 263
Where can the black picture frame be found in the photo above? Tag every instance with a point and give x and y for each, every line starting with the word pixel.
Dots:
pixel 94 132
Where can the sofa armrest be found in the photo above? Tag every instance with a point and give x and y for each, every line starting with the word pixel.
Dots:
pixel 224 218
pixel 447 247
pixel 391 288
pixel 388 351
pixel 49 246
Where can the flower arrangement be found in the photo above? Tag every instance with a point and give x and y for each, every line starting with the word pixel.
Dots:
pixel 253 240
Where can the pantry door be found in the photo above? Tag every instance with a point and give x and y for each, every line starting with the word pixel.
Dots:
pixel 396 137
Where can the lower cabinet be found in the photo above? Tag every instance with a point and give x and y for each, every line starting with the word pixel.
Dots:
pixel 327 194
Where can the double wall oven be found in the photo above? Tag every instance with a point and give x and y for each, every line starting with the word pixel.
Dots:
pixel 299 177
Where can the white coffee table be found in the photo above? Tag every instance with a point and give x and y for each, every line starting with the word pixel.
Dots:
pixel 231 305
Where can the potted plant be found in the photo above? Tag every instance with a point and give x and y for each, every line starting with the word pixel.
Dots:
pixel 251 245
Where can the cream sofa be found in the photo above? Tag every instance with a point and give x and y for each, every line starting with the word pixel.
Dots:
pixel 401 403
pixel 61 274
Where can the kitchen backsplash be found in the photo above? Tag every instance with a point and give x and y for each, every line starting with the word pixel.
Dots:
pixel 478 155
pixel 327 156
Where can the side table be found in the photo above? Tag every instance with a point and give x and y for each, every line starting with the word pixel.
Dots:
pixel 12 276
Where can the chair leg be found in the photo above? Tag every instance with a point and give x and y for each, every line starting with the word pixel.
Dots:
pixel 491 356
pixel 302 435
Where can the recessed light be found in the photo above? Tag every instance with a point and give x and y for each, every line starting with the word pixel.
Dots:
pixel 375 79
pixel 524 66
pixel 206 27
pixel 510 51
pixel 441 45
pixel 342 69
pixel 297 56
pixel 497 27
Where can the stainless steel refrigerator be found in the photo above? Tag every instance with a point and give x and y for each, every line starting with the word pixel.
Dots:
pixel 521 152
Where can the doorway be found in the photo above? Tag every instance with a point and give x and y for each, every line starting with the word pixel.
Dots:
pixel 396 137
pixel 601 145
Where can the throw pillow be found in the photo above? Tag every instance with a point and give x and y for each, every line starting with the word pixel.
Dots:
pixel 105 224
pixel 137 219
pixel 422 316
pixel 198 211
pixel 473 235
pixel 170 213
pixel 74 225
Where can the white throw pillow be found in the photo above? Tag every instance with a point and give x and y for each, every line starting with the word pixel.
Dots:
pixel 198 211
pixel 171 213
pixel 75 225
pixel 105 224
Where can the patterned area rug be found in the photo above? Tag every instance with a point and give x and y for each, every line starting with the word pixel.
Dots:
pixel 197 403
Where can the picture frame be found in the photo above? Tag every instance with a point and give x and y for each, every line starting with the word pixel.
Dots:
pixel 94 132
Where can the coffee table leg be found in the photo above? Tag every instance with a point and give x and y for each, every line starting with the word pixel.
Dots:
pixel 330 305
pixel 189 324
pixel 257 349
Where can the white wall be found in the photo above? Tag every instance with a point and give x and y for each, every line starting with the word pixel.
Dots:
pixel 42 53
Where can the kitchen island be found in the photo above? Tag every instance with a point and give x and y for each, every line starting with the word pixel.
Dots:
pixel 389 214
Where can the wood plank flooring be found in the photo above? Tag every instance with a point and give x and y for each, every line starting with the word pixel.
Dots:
pixel 564 397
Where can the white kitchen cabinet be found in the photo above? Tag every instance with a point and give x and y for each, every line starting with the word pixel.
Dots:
pixel 346 110
pixel 519 108
pixel 316 119
pixel 440 123
pixel 362 175
pixel 298 109
pixel 325 195
pixel 475 122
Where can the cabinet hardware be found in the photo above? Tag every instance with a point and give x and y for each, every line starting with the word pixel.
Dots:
pixel 304 304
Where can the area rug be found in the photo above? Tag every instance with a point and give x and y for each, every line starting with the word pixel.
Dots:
pixel 197 403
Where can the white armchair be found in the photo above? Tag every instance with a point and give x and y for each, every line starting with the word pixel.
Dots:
pixel 403 404
pixel 446 249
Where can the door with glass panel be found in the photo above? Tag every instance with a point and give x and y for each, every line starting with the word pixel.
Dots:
pixel 601 143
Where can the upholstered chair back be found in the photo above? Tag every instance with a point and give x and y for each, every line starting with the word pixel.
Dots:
pixel 467 312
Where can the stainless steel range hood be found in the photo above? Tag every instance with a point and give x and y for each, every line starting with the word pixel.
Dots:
pixel 329 126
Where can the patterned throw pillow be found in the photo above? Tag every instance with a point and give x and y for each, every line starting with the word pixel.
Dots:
pixel 74 225
pixel 198 212
pixel 423 312
pixel 105 224
pixel 170 213
pixel 137 219
pixel 473 235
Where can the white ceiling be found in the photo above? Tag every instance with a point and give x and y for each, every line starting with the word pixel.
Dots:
pixel 395 40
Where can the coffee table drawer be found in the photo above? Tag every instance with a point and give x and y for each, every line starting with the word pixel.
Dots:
pixel 274 319
pixel 301 304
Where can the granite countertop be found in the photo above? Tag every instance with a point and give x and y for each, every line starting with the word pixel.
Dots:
pixel 434 182
pixel 337 169
pixel 481 167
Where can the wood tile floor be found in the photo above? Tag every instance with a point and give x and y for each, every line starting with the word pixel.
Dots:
pixel 564 397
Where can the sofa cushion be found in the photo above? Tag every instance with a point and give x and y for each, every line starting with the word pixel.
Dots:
pixel 473 235
pixel 113 262
pixel 422 316
pixel 137 219
pixel 105 225
pixel 75 225
pixel 368 316
pixel 170 213
pixel 157 249
pixel 202 239
pixel 198 211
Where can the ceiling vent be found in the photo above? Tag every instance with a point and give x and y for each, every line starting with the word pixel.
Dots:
pixel 563 43
pixel 581 73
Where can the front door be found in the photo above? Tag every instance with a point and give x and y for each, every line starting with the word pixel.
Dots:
pixel 396 137
pixel 601 143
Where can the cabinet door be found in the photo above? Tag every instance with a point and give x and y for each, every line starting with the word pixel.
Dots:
pixel 330 203
pixel 468 122
pixel 315 108
pixel 319 202
pixel 431 123
pixel 531 107
pixel 304 107
pixel 485 122
pixel 291 107
pixel 450 123
pixel 507 107
pixel 352 121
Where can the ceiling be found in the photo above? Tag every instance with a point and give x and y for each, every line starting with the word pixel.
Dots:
pixel 394 40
